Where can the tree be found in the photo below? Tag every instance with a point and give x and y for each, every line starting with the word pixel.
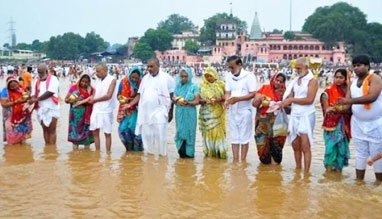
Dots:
pixel 343 22
pixel 94 43
pixel 23 46
pixel 335 23
pixel 143 51
pixel 277 31
pixel 36 46
pixel 289 35
pixel 176 24
pixel 208 31
pixel 373 42
pixel 191 46
pixel 158 39
pixel 122 50
pixel 6 45
pixel 68 46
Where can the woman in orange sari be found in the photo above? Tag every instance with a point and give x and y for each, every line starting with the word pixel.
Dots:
pixel 127 117
pixel 269 148
pixel 17 123
pixel 336 124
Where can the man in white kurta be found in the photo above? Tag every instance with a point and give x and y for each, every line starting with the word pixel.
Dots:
pixel 45 95
pixel 240 88
pixel 154 95
pixel 300 95
pixel 104 102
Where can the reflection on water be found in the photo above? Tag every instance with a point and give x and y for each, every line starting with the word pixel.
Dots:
pixel 38 181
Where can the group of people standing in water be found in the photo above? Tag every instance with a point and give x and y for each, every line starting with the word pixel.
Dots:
pixel 351 110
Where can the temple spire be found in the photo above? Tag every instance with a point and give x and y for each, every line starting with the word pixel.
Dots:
pixel 255 29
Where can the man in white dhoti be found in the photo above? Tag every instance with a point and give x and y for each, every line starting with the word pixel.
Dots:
pixel 45 97
pixel 300 94
pixel 240 88
pixel 104 102
pixel 155 108
pixel 365 98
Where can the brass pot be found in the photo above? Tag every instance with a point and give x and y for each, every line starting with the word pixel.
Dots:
pixel 181 100
pixel 265 103
pixel 122 100
pixel 338 107
pixel 25 95
pixel 72 97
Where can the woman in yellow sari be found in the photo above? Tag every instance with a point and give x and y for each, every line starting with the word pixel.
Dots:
pixel 212 118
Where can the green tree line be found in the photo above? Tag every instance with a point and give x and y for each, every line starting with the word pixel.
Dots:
pixel 343 22
pixel 330 24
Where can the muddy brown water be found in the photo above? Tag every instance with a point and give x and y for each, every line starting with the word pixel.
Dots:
pixel 38 181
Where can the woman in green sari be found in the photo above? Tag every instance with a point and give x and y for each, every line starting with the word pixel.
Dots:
pixel 186 97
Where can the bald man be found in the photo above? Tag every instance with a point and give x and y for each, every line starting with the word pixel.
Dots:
pixel 45 97
pixel 104 102
pixel 300 94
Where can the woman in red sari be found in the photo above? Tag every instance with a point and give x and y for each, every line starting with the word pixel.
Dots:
pixel 336 124
pixel 80 110
pixel 269 148
pixel 17 123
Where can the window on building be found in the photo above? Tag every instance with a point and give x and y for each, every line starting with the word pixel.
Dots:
pixel 289 47
pixel 233 44
pixel 226 35
pixel 285 48
pixel 317 48
pixel 300 47
pixel 306 47
pixel 311 47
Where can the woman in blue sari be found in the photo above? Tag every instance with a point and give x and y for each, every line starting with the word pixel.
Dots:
pixel 186 97
pixel 127 117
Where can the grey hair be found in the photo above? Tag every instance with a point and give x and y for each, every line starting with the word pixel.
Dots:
pixel 303 60
pixel 155 60
pixel 101 65
pixel 43 66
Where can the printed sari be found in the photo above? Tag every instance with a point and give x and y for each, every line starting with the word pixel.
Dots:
pixel 17 122
pixel 128 118
pixel 336 126
pixel 212 117
pixel 269 147
pixel 79 117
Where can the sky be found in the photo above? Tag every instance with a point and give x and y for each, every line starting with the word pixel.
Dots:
pixel 117 20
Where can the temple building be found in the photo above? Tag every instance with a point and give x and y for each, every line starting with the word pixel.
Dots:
pixel 258 46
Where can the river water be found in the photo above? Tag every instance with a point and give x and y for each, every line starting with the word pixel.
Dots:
pixel 38 181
